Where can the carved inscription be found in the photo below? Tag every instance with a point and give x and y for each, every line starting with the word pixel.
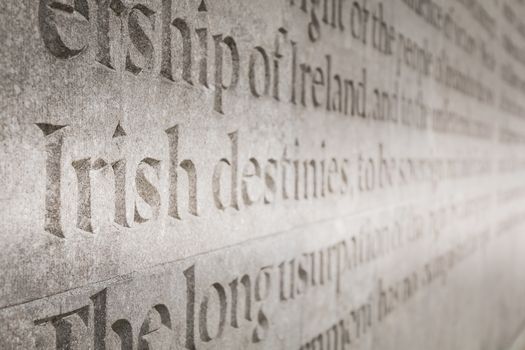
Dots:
pixel 136 188
pixel 240 304
pixel 312 181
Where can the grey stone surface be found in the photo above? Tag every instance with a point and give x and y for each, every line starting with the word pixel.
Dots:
pixel 277 174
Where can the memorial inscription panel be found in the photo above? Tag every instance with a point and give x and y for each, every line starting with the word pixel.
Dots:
pixel 277 174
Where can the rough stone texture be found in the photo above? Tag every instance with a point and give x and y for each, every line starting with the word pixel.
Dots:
pixel 277 174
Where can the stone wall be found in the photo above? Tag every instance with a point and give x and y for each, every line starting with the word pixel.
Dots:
pixel 262 174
